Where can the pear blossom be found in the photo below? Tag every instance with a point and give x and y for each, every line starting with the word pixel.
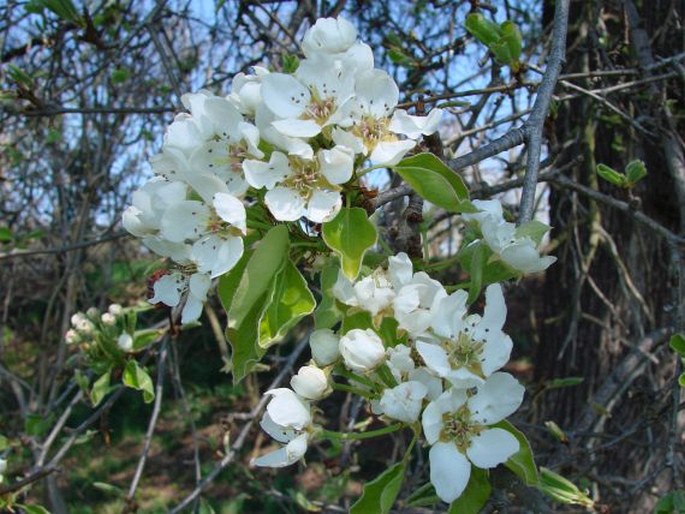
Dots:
pixel 362 350
pixel 170 288
pixel 402 365
pixel 115 309
pixel 288 420
pixel 324 344
pixel 466 349
pixel 373 293
pixel 415 301
pixel 458 429
pixel 310 383
pixel 108 319
pixel 519 252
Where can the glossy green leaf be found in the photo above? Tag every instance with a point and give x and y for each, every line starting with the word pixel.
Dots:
pixel 484 30
pixel 611 175
pixel 292 300
pixel 635 171
pixel 137 378
pixel 522 463
pixel 379 495
pixel 247 294
pixel 435 182
pixel 100 388
pixel 350 234
pixel 143 338
pixel 476 272
pixel 507 49
pixel 34 509
pixel 228 282
pixel 5 235
pixel 327 314
pixel 677 344
pixel 475 495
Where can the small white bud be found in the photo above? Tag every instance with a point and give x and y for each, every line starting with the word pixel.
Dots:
pixel 93 313
pixel 108 319
pixel 125 342
pixel 324 346
pixel 310 383
pixel 362 350
pixel 115 309
pixel 71 336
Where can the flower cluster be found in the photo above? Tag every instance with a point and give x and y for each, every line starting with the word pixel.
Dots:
pixel 291 140
pixel 89 327
pixel 440 368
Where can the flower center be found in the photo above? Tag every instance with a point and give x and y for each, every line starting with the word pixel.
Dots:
pixel 464 352
pixel 458 428
pixel 320 110
pixel 371 130
pixel 305 177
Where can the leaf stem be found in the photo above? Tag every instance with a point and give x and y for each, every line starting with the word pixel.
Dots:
pixel 356 436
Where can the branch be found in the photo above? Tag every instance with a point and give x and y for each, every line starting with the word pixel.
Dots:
pixel 535 122
pixel 62 249
pixel 240 440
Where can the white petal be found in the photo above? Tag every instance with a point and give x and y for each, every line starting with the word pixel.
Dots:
pixel 286 456
pixel 168 290
pixel 267 174
pixel 284 95
pixel 434 357
pixel 404 401
pixel 450 471
pixel 285 204
pixel 448 315
pixel 310 383
pixel 185 220
pixel 297 128
pixel 323 206
pixel 344 138
pixel 378 92
pixel 231 210
pixel 492 447
pixel 191 310
pixel 287 409
pixel 496 353
pixel 329 35
pixel 336 164
pixel 400 269
pixel 199 285
pixel 497 398
pixel 278 432
pixel 390 152
pixel 362 350
pixel 414 126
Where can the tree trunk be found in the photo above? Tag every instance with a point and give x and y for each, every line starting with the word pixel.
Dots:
pixel 614 296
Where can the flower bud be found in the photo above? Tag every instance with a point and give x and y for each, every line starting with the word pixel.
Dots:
pixel 108 319
pixel 310 383
pixel 362 350
pixel 115 309
pixel 93 313
pixel 324 346
pixel 71 336
pixel 125 342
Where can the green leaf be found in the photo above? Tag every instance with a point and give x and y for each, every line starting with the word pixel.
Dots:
pixel 137 378
pixel 522 463
pixel 635 171
pixel 507 49
pixel 292 300
pixel 476 272
pixel 248 301
pixel 397 56
pixel 142 338
pixel 100 388
pixel 681 380
pixel 484 30
pixel 5 235
pixel 205 507
pixel 19 76
pixel 109 488
pixel 327 314
pixel 65 9
pixel 350 234
pixel 228 282
pixel 611 175
pixel 290 63
pixel 474 496
pixel 534 229
pixel 379 495
pixel 435 182
pixel 671 503
pixel 34 509
pixel 562 490
pixel 677 344
pixel 4 442
pixel 358 319
pixel 120 75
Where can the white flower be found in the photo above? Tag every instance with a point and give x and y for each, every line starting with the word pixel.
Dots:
pixel 457 427
pixel 3 468
pixel 467 349
pixel 403 402
pixel 125 342
pixel 415 301
pixel 324 344
pixel 403 368
pixel 170 288
pixel 82 324
pixel 302 187
pixel 362 350
pixel 373 293
pixel 288 420
pixel 519 252
pixel 310 383
pixel 71 336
